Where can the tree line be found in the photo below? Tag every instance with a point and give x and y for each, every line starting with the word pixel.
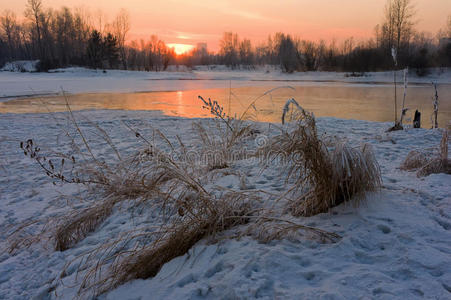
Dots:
pixel 68 37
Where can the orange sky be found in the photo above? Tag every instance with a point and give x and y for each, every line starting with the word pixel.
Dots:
pixel 190 22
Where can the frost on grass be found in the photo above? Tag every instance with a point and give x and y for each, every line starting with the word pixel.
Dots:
pixel 159 176
pixel 327 173
pixel 426 164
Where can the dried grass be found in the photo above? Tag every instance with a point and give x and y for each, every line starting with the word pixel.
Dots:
pixel 434 166
pixel 18 237
pixel 328 176
pixel 220 141
pixel 425 164
pixel 139 177
pixel 191 212
pixel 80 223
pixel 220 147
pixel 413 161
pixel 222 214
pixel 267 228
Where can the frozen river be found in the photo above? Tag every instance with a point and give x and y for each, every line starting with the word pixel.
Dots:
pixel 361 101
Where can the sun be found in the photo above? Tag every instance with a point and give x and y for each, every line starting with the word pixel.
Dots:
pixel 180 48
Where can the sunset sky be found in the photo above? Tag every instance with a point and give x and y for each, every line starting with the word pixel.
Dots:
pixel 190 22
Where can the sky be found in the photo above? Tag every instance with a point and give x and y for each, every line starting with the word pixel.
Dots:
pixel 186 22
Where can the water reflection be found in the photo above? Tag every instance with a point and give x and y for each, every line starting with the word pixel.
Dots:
pixel 373 103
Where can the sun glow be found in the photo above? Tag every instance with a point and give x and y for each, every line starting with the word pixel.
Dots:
pixel 181 48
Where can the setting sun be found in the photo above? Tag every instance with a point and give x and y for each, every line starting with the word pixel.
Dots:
pixel 180 48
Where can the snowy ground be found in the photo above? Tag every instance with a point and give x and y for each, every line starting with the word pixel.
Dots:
pixel 20 66
pixel 80 80
pixel 398 245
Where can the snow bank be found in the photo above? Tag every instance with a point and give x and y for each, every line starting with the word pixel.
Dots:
pixel 21 66
pixel 398 246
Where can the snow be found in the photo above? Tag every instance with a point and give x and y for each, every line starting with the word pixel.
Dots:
pixel 21 66
pixel 396 246
pixel 82 80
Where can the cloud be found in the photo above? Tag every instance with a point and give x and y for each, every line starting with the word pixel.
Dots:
pixel 230 8
pixel 192 36
pixel 249 15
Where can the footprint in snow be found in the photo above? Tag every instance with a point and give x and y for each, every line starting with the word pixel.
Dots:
pixel 385 229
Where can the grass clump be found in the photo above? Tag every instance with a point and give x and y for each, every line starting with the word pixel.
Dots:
pixel 79 224
pixel 425 164
pixel 178 189
pixel 221 147
pixel 327 174
pixel 138 176
pixel 175 239
pixel 221 142
pixel 414 160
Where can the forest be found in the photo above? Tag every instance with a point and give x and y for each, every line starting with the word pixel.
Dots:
pixel 73 37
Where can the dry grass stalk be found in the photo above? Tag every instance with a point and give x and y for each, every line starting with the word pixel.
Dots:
pixel 179 240
pixel 267 228
pixel 80 223
pixel 444 146
pixel 219 143
pixel 203 215
pixel 435 104
pixel 330 175
pixel 413 161
pixel 424 165
pixel 142 176
pixel 434 166
pixel 193 212
pixel 294 113
pixel 221 147
pixel 140 180
pixel 18 237
pixel 251 113
pixel 138 176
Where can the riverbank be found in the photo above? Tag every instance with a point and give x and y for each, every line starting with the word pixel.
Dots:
pixel 81 80
pixel 397 245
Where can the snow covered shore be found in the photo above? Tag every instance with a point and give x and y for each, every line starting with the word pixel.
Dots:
pixel 81 80
pixel 397 246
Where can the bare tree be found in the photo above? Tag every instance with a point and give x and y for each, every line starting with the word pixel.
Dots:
pixel 64 32
pixel 398 23
pixel 48 55
pixel 310 55
pixel 445 32
pixel 101 21
pixel 289 55
pixel 246 54
pixel 34 13
pixel 8 24
pixel 59 37
pixel 82 28
pixel 229 48
pixel 121 27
